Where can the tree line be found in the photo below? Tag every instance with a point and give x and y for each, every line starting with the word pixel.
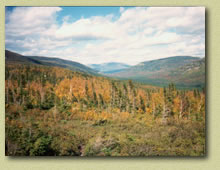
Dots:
pixel 47 88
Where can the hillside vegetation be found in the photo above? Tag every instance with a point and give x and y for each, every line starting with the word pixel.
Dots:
pixel 12 57
pixel 184 71
pixel 57 111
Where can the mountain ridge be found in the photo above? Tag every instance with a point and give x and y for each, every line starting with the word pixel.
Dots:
pixel 163 71
pixel 184 71
pixel 11 57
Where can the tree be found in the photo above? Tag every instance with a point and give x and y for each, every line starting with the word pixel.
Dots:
pixel 142 104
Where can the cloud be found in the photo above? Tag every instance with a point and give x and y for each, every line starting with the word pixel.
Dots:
pixel 138 34
pixel 86 29
pixel 28 20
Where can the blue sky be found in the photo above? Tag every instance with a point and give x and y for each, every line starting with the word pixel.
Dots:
pixel 85 12
pixel 106 34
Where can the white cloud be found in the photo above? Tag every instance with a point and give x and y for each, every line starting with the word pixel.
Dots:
pixel 139 34
pixel 29 20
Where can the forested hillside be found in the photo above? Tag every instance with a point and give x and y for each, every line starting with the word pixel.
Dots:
pixel 57 111
pixel 12 57
pixel 184 71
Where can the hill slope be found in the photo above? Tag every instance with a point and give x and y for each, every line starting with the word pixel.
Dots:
pixel 184 71
pixel 11 57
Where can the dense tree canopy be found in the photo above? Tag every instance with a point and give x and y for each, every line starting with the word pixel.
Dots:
pixel 41 102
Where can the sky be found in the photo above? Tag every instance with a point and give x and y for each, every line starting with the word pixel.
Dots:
pixel 95 35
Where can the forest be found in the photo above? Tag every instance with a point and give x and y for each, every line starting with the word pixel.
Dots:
pixel 53 111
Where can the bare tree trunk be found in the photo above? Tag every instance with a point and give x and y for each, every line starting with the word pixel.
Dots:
pixel 189 113
pixel 120 103
pixel 13 95
pixel 70 92
pixel 111 97
pixel 127 106
pixel 181 109
pixel 165 114
pixel 153 107
pixel 42 94
pixel 199 104
pixel 133 105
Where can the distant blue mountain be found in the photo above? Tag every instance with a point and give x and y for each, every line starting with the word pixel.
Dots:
pixel 109 68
